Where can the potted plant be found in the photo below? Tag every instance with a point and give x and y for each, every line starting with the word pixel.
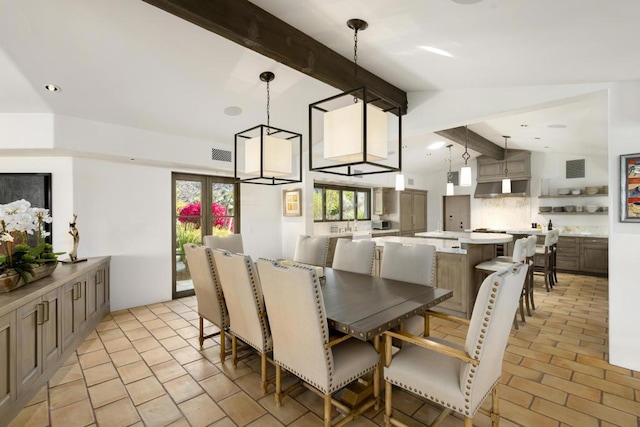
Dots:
pixel 24 255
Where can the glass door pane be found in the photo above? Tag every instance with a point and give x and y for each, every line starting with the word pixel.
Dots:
pixel 222 209
pixel 188 229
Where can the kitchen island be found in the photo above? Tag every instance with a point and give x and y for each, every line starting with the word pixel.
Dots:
pixel 455 263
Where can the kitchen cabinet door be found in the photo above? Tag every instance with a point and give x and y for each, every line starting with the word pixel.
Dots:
pixel 74 313
pixel 7 361
pixel 29 344
pixel 451 274
pixel 594 255
pixel 413 212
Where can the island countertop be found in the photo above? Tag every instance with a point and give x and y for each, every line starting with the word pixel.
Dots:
pixel 441 245
pixel 468 238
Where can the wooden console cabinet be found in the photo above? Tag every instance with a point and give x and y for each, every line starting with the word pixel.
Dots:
pixel 42 324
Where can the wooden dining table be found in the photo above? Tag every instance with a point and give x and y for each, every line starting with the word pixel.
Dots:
pixel 365 306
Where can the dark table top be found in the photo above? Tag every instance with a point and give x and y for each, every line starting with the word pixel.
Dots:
pixel 365 306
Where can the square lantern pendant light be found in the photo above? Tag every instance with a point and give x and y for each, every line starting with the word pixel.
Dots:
pixel 265 154
pixel 357 132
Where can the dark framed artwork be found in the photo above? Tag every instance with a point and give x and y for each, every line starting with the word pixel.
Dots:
pixel 33 187
pixel 630 187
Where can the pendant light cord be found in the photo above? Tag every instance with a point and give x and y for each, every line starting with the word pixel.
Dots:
pixel 449 174
pixel 268 113
pixel 355 61
pixel 506 171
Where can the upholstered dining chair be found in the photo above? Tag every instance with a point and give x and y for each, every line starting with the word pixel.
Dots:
pixel 312 250
pixel 231 243
pixel 459 377
pixel 409 263
pixel 355 256
pixel 500 263
pixel 301 342
pixel 209 296
pixel 248 316
pixel 544 258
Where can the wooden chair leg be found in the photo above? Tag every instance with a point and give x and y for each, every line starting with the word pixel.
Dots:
pixel 515 321
pixel 388 408
pixel 201 335
pixel 278 394
pixel 521 309
pixel 263 367
pixel 468 422
pixel 495 406
pixel 234 350
pixel 533 306
pixel 223 345
pixel 327 410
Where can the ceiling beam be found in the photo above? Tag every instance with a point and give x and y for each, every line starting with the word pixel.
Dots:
pixel 246 24
pixel 476 142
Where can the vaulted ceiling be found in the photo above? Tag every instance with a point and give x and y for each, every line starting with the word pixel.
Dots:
pixel 128 62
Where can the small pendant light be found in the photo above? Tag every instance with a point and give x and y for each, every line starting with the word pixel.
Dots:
pixel 465 171
pixel 449 191
pixel 506 182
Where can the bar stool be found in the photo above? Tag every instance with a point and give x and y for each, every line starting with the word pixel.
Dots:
pixel 502 263
pixel 544 258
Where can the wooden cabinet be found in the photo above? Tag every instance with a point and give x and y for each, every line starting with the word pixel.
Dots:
pixel 413 212
pixel 383 201
pixel 38 338
pixel 378 201
pixel 42 324
pixel 594 255
pixel 568 253
pixel 7 360
pixel 518 164
pixel 451 273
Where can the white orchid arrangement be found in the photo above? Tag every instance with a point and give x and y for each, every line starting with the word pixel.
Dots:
pixel 18 220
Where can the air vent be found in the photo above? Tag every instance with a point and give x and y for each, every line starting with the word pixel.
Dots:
pixel 410 181
pixel 575 168
pixel 220 155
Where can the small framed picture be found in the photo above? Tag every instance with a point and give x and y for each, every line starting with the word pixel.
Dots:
pixel 292 202
pixel 630 187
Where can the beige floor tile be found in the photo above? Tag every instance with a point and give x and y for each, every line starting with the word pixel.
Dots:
pixel 100 373
pixel 186 355
pixel 41 396
pixel 173 343
pixel 117 414
pixel 178 323
pixel 219 387
pixel 137 334
pixel 146 316
pixel 145 390
pixel 145 344
pixel 67 394
pixel 308 420
pixel 570 387
pixel 159 412
pixel 183 388
pixel 111 334
pixel 168 370
pixel 287 413
pixel 155 356
pixel 242 408
pixel 154 324
pixel 125 357
pixel 134 371
pixel 251 384
pixel 105 325
pixel 537 389
pixel 201 369
pixel 169 316
pixel 130 324
pixel 188 333
pixel 107 392
pixel 268 421
pixel 162 333
pixel 158 308
pixel 117 344
pixel 66 374
pixel 88 346
pixel 182 422
pixel 76 414
pixel 189 316
pixel 32 416
pixel 201 410
pixel 95 358
pixel 619 418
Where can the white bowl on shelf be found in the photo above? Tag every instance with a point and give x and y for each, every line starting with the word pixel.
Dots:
pixel 576 191
pixel 591 208
pixel 563 191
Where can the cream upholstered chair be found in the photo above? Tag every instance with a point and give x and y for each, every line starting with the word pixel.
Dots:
pixel 500 263
pixel 459 377
pixel 544 259
pixel 231 243
pixel 312 250
pixel 301 342
pixel 409 263
pixel 355 256
pixel 243 295
pixel 209 296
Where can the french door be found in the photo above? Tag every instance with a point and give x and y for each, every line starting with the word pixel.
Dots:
pixel 202 205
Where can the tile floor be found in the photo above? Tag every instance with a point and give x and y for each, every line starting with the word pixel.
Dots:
pixel 143 366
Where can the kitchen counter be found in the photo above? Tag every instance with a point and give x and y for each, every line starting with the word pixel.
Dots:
pixel 562 233
pixel 441 245
pixel 468 238
pixel 350 233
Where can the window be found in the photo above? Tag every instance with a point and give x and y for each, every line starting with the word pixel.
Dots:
pixel 334 203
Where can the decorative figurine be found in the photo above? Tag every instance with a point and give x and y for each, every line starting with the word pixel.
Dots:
pixel 73 255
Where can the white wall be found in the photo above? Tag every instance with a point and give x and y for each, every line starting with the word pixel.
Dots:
pixel 624 238
pixel 26 131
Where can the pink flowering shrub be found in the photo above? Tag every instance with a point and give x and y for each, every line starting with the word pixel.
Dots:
pixel 193 210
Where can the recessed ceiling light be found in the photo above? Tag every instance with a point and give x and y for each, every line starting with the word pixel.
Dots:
pixel 466 1
pixel 537 137
pixel 436 145
pixel 233 111
pixel 437 51
pixel 557 126
pixel 52 88
pixel 524 126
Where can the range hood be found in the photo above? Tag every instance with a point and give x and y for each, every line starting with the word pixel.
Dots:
pixel 519 188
